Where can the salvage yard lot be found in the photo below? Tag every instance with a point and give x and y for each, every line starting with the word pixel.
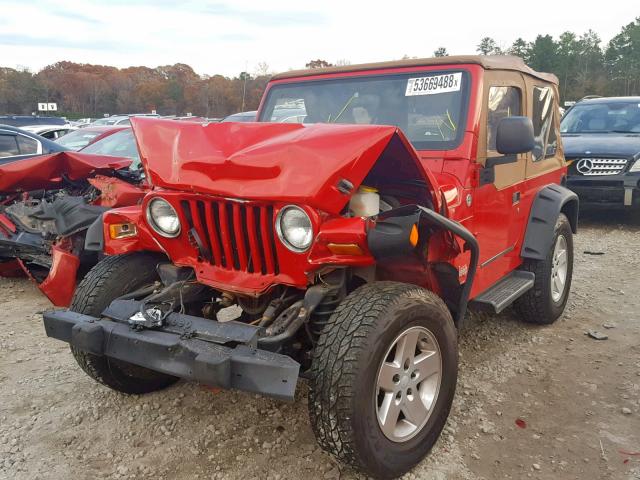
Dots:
pixel 577 398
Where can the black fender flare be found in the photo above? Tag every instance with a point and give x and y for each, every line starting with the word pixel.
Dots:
pixel 392 240
pixel 94 239
pixel 545 209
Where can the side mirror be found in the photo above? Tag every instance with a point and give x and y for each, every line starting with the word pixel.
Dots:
pixel 514 135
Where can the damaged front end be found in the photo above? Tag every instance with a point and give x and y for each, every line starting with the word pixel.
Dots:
pixel 156 328
pixel 46 209
pixel 259 220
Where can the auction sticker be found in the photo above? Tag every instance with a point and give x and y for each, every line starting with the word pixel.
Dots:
pixel 449 82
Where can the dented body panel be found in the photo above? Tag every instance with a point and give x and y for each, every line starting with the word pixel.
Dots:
pixel 244 174
pixel 260 161
pixel 49 171
pixel 51 201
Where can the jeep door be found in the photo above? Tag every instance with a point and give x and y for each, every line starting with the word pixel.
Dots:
pixel 498 215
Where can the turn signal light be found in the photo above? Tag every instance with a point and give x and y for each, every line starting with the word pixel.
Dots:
pixel 414 236
pixel 345 249
pixel 118 231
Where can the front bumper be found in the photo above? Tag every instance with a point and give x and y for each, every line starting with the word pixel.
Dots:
pixel 25 245
pixel 621 189
pixel 214 353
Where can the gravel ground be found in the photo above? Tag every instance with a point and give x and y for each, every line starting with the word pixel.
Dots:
pixel 532 402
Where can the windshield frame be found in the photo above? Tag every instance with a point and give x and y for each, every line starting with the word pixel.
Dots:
pixel 405 73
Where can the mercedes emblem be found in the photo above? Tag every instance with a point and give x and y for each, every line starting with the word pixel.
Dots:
pixel 585 165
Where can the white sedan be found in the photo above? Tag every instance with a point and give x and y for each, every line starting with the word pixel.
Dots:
pixel 51 132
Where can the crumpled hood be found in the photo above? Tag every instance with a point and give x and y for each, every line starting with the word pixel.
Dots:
pixel 47 171
pixel 265 161
pixel 610 144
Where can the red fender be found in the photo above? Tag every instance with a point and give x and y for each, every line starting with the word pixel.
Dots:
pixel 60 284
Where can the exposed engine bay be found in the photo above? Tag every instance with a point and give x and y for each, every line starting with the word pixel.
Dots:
pixel 42 218
pixel 35 223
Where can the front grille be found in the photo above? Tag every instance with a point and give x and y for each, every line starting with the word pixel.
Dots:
pixel 233 235
pixel 599 166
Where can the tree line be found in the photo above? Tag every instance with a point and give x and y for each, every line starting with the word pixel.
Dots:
pixel 84 90
pixel 584 65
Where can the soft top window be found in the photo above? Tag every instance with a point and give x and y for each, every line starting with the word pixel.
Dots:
pixel 429 107
pixel 503 102
pixel 544 129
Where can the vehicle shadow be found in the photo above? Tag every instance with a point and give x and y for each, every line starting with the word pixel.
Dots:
pixel 609 217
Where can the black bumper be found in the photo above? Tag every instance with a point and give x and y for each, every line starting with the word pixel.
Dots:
pixel 214 353
pixel 609 190
pixel 24 245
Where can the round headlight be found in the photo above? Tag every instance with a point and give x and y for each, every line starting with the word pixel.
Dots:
pixel 294 228
pixel 163 218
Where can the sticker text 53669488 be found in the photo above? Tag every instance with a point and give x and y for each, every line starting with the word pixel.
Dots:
pixel 449 82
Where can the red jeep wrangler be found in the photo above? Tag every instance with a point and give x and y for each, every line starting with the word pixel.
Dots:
pixel 353 237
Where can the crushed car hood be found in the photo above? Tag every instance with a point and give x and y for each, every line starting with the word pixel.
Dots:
pixel 625 145
pixel 266 161
pixel 49 171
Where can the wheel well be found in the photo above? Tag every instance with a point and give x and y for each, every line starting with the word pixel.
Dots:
pixel 570 209
pixel 550 201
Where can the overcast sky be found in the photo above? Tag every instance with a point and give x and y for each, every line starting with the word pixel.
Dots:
pixel 228 36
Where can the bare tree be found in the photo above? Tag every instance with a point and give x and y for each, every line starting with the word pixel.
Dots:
pixel 440 52
pixel 262 69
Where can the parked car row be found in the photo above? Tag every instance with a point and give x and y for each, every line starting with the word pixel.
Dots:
pixel 50 132
pixel 354 218
pixel 30 120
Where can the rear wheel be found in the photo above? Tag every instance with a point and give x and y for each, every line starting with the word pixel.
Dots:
pixel 111 278
pixel 545 302
pixel 384 374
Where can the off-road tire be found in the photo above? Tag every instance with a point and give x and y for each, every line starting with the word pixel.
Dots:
pixel 345 366
pixel 537 305
pixel 110 278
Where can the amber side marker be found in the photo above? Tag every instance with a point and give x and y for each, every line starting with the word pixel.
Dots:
pixel 122 230
pixel 414 236
pixel 345 249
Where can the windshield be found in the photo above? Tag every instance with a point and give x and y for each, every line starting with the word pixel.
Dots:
pixel 120 144
pixel 429 107
pixel 621 117
pixel 77 140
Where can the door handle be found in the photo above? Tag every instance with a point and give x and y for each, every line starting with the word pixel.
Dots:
pixel 516 197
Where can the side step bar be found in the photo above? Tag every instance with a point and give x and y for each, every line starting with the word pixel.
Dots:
pixel 507 290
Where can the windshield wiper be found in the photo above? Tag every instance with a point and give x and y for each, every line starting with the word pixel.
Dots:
pixel 624 131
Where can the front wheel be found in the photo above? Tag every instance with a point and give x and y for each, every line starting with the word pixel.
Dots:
pixel 545 302
pixel 113 277
pixel 384 375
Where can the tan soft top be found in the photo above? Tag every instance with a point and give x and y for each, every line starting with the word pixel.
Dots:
pixel 489 62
